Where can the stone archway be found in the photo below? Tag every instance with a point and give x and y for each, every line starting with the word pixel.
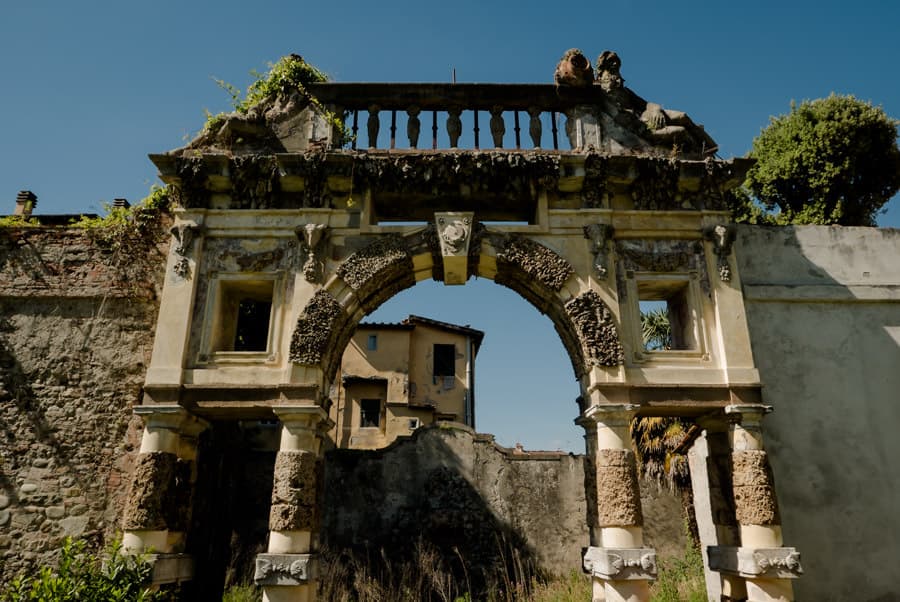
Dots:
pixel 275 210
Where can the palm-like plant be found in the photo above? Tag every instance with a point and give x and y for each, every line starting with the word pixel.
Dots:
pixel 656 331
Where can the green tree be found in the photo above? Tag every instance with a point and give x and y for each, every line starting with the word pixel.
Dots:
pixel 829 161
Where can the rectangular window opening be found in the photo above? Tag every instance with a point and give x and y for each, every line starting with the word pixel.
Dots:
pixel 372 343
pixel 668 320
pixel 444 360
pixel 370 413
pixel 244 316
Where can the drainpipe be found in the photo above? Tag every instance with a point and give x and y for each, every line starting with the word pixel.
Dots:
pixel 470 392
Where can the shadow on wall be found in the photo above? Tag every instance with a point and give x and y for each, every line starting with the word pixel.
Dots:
pixel 823 309
pixel 63 422
pixel 452 498
pixel 443 510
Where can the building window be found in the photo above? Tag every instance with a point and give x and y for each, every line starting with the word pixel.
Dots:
pixel 370 413
pixel 372 343
pixel 667 302
pixel 243 316
pixel 444 360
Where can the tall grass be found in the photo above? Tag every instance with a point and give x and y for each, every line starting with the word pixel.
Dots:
pixel 430 578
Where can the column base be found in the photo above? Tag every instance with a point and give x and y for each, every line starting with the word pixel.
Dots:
pixel 171 568
pixel 621 564
pixel 285 569
pixel 758 563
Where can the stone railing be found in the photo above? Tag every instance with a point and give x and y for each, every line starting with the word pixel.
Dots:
pixel 504 109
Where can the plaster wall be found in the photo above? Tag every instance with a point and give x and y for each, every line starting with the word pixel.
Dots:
pixel 823 308
pixel 428 389
pixel 454 488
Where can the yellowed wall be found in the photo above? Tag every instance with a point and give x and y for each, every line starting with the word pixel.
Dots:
pixel 427 391
pixel 404 358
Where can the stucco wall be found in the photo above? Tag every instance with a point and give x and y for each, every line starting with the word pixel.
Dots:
pixel 76 326
pixel 823 306
pixel 456 489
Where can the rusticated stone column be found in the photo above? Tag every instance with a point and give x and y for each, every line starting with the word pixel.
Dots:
pixel 710 462
pixel 288 570
pixel 761 559
pixel 158 507
pixel 617 560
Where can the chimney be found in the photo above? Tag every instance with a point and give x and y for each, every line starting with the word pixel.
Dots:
pixel 25 203
pixel 121 204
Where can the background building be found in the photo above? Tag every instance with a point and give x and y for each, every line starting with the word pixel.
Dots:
pixel 398 377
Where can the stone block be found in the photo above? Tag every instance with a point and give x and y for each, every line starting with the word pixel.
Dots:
pixel 171 568
pixel 285 569
pixel 74 526
pixel 4 517
pixel 285 517
pixel 618 492
pixel 4 501
pixel 771 563
pixel 56 512
pixel 621 563
pixel 145 506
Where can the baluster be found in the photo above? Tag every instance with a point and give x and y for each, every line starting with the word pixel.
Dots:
pixel 554 130
pixel 393 129
pixel 454 125
pixel 355 128
pixel 498 128
pixel 412 126
pixel 535 128
pixel 516 129
pixel 476 129
pixel 434 129
pixel 373 125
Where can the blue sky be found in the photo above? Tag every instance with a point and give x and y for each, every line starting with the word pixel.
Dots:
pixel 90 88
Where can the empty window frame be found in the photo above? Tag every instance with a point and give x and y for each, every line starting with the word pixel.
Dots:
pixel 243 316
pixel 372 342
pixel 669 317
pixel 370 413
pixel 444 360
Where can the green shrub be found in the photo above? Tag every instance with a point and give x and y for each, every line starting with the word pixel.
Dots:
pixel 80 575
pixel 242 593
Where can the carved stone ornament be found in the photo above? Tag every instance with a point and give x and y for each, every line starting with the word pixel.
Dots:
pixel 313 239
pixel 184 234
pixel 779 563
pixel 454 235
pixel 621 563
pixel 722 237
pixel 596 330
pixel 599 235
pixel 284 569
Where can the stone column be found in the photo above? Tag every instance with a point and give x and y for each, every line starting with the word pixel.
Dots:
pixel 710 463
pixel 157 511
pixel 617 560
pixel 287 571
pixel 761 559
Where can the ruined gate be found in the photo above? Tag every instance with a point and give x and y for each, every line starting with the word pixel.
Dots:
pixel 288 236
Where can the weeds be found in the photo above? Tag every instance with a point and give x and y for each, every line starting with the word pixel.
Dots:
pixel 80 575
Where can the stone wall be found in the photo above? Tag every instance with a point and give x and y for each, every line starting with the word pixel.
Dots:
pixel 76 329
pixel 455 489
pixel 823 306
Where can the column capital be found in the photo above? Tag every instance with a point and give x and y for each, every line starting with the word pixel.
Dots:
pixel 171 417
pixel 747 413
pixel 610 414
pixel 301 416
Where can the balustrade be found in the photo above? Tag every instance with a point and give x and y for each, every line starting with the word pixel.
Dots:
pixel 451 105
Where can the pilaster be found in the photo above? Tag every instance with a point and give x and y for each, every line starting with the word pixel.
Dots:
pixel 619 564
pixel 158 508
pixel 287 571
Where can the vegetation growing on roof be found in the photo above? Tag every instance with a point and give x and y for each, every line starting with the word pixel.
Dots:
pixel 291 74
pixel 122 227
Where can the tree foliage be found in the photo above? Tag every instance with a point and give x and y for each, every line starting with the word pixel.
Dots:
pixel 829 161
